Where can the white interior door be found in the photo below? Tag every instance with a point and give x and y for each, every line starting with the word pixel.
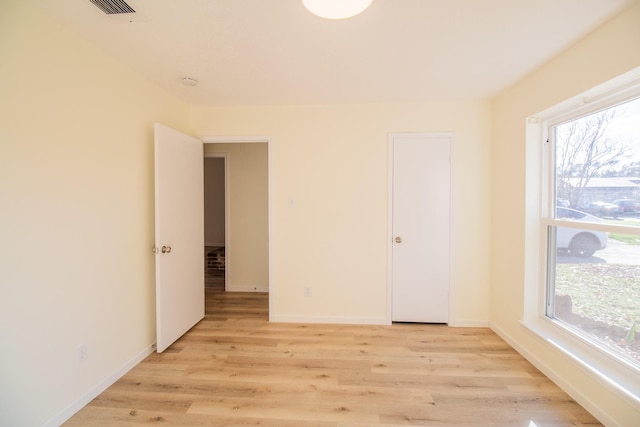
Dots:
pixel 179 234
pixel 421 187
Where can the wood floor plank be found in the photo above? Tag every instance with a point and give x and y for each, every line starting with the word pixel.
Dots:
pixel 235 368
pixel 93 416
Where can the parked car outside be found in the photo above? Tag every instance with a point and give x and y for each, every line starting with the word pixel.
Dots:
pixel 602 209
pixel 628 206
pixel 578 242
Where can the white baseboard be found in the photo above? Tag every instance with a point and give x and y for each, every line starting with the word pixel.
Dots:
pixel 334 320
pixel 70 410
pixel 469 324
pixel 366 321
pixel 558 379
pixel 232 288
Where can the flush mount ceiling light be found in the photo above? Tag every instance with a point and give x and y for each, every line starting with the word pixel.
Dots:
pixel 336 9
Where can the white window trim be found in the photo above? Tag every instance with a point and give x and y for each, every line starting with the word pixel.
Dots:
pixel 616 374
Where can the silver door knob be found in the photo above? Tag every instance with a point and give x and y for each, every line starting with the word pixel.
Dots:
pixel 166 249
pixel 398 239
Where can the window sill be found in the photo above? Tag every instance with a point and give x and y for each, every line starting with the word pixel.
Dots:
pixel 618 376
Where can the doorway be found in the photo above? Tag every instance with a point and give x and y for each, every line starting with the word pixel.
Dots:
pixel 215 224
pixel 244 241
pixel 420 227
pixel 179 229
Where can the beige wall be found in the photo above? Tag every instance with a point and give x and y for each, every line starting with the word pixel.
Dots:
pixel 214 201
pixel 248 251
pixel 76 216
pixel 606 53
pixel 333 160
pixel 76 178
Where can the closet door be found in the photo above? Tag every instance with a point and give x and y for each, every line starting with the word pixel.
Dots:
pixel 421 194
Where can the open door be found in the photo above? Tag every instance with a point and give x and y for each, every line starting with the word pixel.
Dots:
pixel 179 234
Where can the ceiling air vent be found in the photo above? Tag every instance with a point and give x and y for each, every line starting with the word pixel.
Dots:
pixel 113 7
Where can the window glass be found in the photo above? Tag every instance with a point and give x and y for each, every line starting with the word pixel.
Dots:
pixel 594 271
pixel 597 162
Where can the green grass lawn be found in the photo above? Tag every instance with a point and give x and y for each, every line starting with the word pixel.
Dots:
pixel 606 292
pixel 626 238
pixel 605 298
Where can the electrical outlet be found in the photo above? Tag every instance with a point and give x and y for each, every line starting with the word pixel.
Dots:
pixel 307 291
pixel 83 353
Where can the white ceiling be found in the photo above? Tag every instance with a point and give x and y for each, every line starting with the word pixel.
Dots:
pixel 250 52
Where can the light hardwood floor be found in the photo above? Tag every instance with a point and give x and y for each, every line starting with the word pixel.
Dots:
pixel 236 369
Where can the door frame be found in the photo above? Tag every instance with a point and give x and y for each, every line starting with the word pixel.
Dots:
pixel 227 228
pixel 391 141
pixel 250 140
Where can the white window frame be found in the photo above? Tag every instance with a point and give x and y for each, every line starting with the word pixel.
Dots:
pixel 614 372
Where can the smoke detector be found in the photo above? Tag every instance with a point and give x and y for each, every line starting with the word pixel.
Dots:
pixel 189 81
